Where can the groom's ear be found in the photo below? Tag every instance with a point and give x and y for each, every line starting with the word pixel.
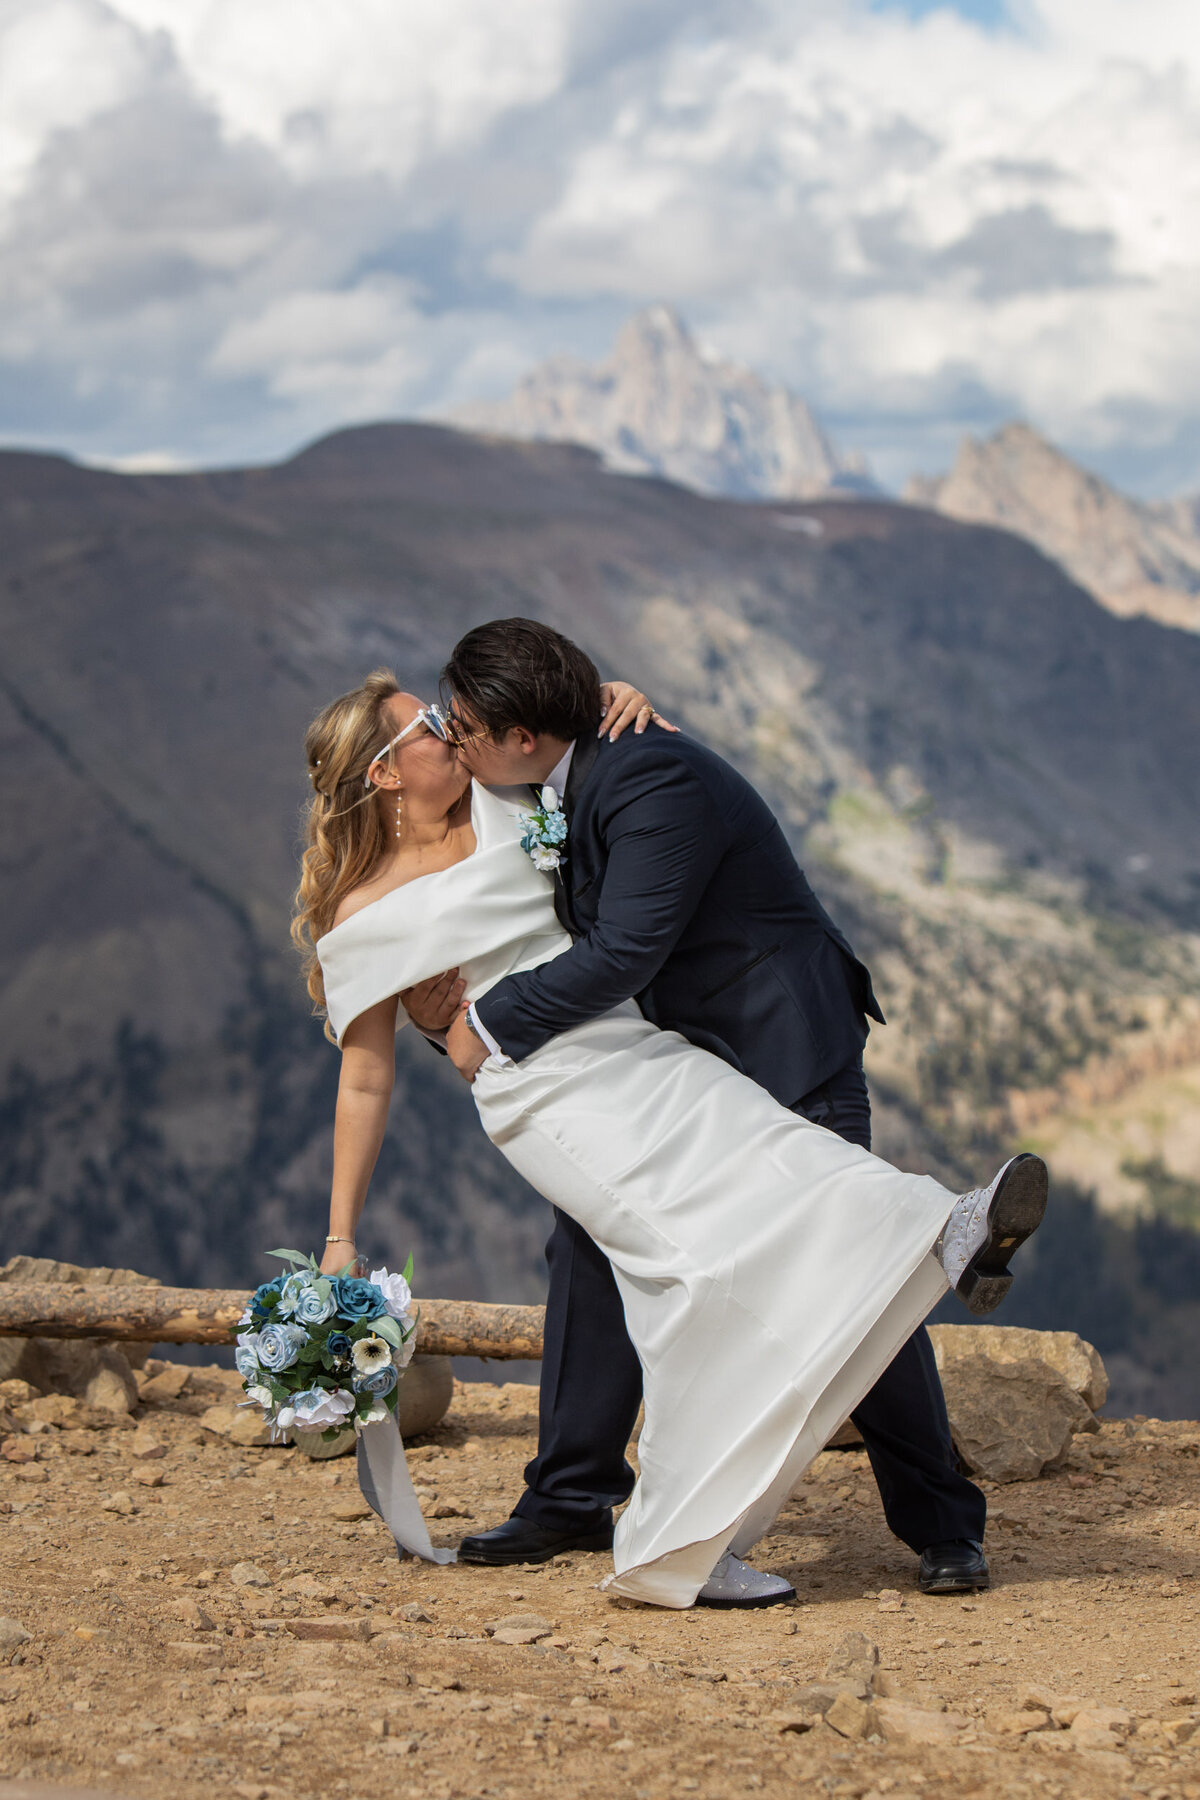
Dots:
pixel 524 741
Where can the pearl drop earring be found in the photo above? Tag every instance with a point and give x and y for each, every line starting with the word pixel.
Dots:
pixel 399 809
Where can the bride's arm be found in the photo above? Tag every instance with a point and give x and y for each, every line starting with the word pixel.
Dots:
pixel 364 1091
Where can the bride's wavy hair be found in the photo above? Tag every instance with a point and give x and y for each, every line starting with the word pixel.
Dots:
pixel 344 832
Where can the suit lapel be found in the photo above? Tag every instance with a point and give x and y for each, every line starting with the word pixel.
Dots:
pixel 586 751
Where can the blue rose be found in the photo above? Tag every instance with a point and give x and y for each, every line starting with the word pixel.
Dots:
pixel 279 1346
pixel 356 1299
pixel 246 1361
pixel 314 1304
pixel 265 1299
pixel 339 1345
pixel 380 1383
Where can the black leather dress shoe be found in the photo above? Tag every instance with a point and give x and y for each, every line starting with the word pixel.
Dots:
pixel 521 1541
pixel 957 1567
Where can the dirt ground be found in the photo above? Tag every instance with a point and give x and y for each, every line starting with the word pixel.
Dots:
pixel 212 1618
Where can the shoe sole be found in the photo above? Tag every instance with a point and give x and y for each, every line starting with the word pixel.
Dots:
pixel 1017 1209
pixel 600 1540
pixel 958 1584
pixel 748 1604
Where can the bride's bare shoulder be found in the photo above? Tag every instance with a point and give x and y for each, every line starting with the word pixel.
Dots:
pixel 349 904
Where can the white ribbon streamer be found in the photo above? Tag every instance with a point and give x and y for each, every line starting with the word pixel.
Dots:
pixel 388 1490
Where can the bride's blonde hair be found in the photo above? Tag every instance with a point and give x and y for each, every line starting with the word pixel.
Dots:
pixel 344 832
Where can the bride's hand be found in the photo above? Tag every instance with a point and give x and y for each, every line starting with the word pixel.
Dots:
pixel 626 705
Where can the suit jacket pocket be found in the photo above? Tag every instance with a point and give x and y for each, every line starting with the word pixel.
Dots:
pixel 740 974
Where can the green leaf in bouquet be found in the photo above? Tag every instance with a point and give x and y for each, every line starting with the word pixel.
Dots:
pixel 297 1258
pixel 389 1330
pixel 408 1269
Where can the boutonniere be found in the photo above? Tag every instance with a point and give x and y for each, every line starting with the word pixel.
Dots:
pixel 545 833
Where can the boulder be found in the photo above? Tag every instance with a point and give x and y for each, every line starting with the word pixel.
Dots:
pixel 1010 1419
pixel 1075 1360
pixel 74 1365
pixel 1078 1362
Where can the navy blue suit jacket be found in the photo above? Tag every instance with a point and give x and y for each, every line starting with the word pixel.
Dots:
pixel 680 891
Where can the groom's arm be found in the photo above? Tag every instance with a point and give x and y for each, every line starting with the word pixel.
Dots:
pixel 664 835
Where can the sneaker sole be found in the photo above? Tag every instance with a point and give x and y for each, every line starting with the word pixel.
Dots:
pixel 1017 1209
pixel 748 1604
pixel 600 1540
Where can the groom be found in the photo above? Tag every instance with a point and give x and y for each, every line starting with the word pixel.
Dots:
pixel 679 889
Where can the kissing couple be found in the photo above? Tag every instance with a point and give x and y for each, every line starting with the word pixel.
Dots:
pixel 663 1031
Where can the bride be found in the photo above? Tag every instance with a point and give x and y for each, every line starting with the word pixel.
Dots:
pixel 768 1269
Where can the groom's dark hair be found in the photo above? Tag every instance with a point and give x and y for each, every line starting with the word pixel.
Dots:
pixel 519 672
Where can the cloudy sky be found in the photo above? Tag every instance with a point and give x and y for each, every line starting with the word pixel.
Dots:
pixel 229 225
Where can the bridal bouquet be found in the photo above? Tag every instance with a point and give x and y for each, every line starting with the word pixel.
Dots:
pixel 321 1352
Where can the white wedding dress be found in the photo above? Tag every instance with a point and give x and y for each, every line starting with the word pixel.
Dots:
pixel 769 1270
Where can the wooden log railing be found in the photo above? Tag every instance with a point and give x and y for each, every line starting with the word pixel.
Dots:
pixel 163 1315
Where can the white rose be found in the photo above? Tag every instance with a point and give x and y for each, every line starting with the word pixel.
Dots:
pixel 545 860
pixel 396 1293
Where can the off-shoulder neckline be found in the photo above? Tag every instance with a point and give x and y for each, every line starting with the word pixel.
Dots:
pixel 400 887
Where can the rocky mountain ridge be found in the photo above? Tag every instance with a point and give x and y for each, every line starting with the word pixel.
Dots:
pixel 1136 557
pixel 661 405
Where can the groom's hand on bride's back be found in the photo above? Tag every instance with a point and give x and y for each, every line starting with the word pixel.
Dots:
pixel 433 1005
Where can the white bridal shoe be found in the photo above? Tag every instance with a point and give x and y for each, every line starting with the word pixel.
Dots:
pixel 986 1226
pixel 734 1583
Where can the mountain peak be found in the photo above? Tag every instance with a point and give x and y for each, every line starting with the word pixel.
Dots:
pixel 1132 556
pixel 659 404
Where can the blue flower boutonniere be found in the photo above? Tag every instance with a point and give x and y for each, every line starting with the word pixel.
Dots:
pixel 545 833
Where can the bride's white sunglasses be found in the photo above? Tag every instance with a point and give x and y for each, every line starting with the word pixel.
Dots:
pixel 433 719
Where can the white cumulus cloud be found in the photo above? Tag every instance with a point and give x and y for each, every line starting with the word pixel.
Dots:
pixel 226 225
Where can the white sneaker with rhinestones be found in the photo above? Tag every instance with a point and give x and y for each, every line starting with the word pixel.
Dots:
pixel 734 1583
pixel 986 1225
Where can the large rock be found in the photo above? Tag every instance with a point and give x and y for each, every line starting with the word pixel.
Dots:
pixel 1078 1362
pixel 1009 1419
pixel 98 1372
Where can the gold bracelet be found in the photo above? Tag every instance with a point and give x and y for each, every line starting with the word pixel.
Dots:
pixel 336 1238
